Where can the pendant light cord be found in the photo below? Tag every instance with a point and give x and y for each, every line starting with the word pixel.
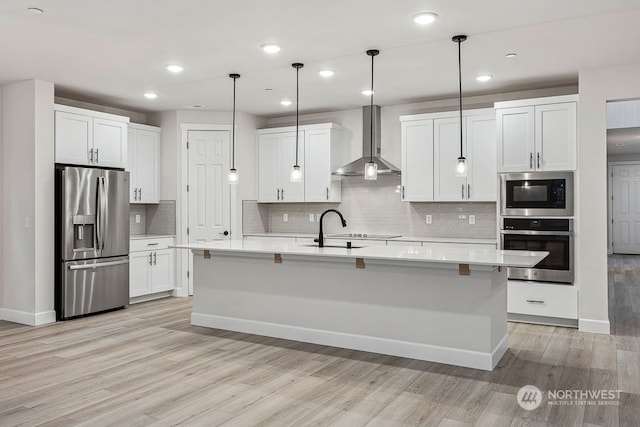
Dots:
pixel 297 109
pixel 233 128
pixel 460 89
pixel 371 112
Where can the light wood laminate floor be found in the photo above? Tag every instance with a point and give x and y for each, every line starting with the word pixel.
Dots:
pixel 146 365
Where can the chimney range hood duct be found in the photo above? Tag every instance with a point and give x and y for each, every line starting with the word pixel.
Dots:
pixel 356 168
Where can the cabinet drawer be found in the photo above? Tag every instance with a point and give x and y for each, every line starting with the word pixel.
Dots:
pixel 151 244
pixel 541 299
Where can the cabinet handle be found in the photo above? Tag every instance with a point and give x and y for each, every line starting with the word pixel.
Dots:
pixel 468 191
pixel 535 301
pixel 153 244
pixel 91 155
pixel 530 160
pixel 462 186
pixel 538 160
pixel 139 194
pixel 150 259
pixel 282 194
pixel 278 194
pixel 97 156
pixel 327 193
pixel 155 258
pixel 403 192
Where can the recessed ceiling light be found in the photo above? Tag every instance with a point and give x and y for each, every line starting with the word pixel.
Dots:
pixel 425 18
pixel 484 77
pixel 35 10
pixel 271 48
pixel 285 102
pixel 150 95
pixel 174 68
pixel 368 92
pixel 511 55
pixel 326 73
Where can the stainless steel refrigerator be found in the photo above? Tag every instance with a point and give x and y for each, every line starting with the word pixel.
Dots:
pixel 92 240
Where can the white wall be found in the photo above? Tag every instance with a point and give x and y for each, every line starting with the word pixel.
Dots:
pixel 28 196
pixel 596 87
pixel 2 204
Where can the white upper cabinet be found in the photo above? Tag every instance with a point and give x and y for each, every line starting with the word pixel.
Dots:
pixel 623 114
pixel 431 147
pixel 417 157
pixel 90 138
pixel 537 134
pixel 318 156
pixel 143 163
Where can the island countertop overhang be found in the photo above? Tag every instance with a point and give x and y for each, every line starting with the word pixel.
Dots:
pixel 487 257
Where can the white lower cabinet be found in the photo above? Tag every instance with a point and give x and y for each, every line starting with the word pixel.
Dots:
pixel 152 265
pixel 542 299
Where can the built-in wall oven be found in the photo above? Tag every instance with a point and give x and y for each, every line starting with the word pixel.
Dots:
pixel 536 194
pixel 553 235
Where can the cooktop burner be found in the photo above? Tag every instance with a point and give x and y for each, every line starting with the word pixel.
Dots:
pixel 365 236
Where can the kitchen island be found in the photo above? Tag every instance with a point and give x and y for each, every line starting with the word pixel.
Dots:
pixel 444 305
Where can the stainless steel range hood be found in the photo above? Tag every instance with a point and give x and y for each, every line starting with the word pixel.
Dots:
pixel 356 168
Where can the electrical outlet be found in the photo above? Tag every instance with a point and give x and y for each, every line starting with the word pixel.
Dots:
pixel 428 219
pixel 311 217
pixel 318 217
pixel 137 219
pixel 27 222
pixel 285 217
pixel 472 219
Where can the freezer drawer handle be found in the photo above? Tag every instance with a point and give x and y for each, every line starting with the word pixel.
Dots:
pixel 102 264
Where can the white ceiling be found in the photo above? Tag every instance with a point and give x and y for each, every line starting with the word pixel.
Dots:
pixel 110 52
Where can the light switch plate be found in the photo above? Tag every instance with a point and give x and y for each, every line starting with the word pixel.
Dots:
pixel 472 219
pixel 311 217
pixel 318 217
pixel 428 219
pixel 285 217
pixel 137 219
pixel 27 222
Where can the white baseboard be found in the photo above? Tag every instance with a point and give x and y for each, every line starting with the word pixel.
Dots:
pixel 594 326
pixel 25 318
pixel 150 297
pixel 431 353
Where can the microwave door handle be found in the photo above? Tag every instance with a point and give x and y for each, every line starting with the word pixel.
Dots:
pixel 537 233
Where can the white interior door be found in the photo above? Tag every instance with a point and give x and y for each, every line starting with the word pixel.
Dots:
pixel 209 203
pixel 626 209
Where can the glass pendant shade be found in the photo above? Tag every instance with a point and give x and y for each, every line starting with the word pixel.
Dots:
pixel 296 174
pixel 233 176
pixel 371 171
pixel 461 167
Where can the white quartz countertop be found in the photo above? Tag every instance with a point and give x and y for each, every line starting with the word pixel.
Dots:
pixel 389 253
pixel 401 238
pixel 149 236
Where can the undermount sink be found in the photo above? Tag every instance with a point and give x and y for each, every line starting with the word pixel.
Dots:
pixel 333 246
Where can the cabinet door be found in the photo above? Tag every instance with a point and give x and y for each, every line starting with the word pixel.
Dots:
pixel 481 148
pixel 417 161
pixel 269 172
pixel 515 138
pixel 146 165
pixel 139 273
pixel 110 143
pixel 555 136
pixel 446 142
pixel 162 271
pixel 291 191
pixel 317 162
pixel 73 136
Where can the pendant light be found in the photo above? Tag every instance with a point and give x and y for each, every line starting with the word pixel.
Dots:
pixel 461 164
pixel 371 168
pixel 233 173
pixel 296 172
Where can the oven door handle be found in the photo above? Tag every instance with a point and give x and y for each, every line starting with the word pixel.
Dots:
pixel 537 233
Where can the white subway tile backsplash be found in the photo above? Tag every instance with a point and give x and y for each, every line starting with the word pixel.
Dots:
pixel 375 207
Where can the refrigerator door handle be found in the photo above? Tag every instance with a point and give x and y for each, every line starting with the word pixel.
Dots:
pixel 97 265
pixel 98 215
pixel 103 215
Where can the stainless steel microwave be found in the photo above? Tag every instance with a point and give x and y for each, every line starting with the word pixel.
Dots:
pixel 536 194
